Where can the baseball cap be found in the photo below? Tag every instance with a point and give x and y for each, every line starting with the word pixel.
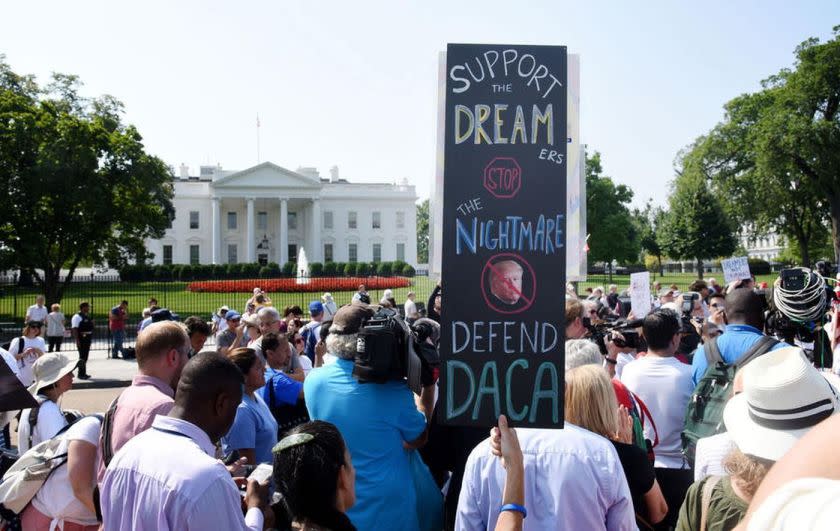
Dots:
pixel 162 314
pixel 232 314
pixel 349 318
pixel 315 307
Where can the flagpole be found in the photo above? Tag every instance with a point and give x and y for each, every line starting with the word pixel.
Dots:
pixel 258 138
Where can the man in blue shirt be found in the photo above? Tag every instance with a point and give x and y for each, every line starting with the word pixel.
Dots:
pixel 311 333
pixel 745 317
pixel 376 421
pixel 285 390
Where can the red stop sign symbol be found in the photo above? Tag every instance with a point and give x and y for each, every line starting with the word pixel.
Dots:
pixel 503 177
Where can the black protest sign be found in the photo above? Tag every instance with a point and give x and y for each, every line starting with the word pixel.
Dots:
pixel 504 265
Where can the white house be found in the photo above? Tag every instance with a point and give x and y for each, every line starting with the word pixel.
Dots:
pixel 267 213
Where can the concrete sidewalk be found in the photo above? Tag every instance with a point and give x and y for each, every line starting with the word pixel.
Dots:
pixel 105 373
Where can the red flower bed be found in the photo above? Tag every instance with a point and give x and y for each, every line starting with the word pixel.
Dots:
pixel 290 285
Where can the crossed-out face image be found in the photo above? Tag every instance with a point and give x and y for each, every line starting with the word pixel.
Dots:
pixel 506 281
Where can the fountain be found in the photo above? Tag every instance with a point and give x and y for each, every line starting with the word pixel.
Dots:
pixel 302 267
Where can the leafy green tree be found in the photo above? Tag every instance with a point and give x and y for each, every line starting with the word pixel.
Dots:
pixel 775 158
pixel 648 221
pixel 613 235
pixel 423 232
pixel 78 185
pixel 696 226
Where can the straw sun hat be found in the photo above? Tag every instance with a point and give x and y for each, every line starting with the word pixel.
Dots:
pixel 784 397
pixel 50 368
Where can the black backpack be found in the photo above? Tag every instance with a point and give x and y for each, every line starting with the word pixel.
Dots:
pixel 704 415
pixel 287 415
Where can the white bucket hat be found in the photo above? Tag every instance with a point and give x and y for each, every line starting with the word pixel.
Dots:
pixel 784 397
pixel 50 368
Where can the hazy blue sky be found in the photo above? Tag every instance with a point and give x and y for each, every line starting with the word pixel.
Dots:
pixel 354 83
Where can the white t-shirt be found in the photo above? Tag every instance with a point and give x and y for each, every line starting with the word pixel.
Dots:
pixel 305 364
pixel 410 308
pixel 25 374
pixel 710 453
pixel 221 324
pixel 37 313
pixel 55 499
pixel 621 361
pixel 665 386
pixel 50 422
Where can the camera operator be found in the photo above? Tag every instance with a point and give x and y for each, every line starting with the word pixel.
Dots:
pixel 745 317
pixel 575 327
pixel 378 422
pixel 717 307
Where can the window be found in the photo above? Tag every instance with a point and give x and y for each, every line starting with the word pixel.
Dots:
pixel 401 252
pixel 351 220
pixel 167 255
pixel 232 222
pixel 376 220
pixel 328 252
pixel 194 255
pixel 292 252
pixel 292 220
pixel 262 220
pixel 232 259
pixel 353 252
pixel 377 252
pixel 193 219
pixel 328 219
pixel 400 220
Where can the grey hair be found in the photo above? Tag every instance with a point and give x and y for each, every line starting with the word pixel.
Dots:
pixel 581 352
pixel 268 310
pixel 342 345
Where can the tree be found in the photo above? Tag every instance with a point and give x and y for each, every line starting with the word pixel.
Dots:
pixel 612 233
pixel 78 185
pixel 423 232
pixel 695 226
pixel 649 221
pixel 776 155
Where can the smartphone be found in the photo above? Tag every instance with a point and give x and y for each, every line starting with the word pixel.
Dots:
pixel 262 473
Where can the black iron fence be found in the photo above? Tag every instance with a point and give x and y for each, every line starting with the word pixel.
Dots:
pixel 201 298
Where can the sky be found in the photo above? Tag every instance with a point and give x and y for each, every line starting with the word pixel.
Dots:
pixel 354 84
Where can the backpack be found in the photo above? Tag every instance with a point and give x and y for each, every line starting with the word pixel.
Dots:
pixel 29 473
pixel 287 415
pixel 704 415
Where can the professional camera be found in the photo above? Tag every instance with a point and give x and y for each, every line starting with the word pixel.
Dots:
pixel 797 307
pixel 389 349
pixel 598 334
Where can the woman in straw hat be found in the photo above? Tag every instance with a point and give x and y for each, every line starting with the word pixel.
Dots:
pixel 784 397
pixel 53 374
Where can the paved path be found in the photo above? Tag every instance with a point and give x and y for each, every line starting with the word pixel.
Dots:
pixel 106 373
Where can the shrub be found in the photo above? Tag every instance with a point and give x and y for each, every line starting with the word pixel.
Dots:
pixel 362 269
pixel 289 269
pixel 185 273
pixel 408 270
pixel 231 270
pixel 316 269
pixel 330 269
pixel 759 266
pixel 350 269
pixel 384 269
pixel 219 271
pixel 251 270
pixel 162 272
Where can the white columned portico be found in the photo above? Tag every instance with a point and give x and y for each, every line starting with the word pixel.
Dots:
pixel 315 237
pixel 217 231
pixel 249 243
pixel 284 231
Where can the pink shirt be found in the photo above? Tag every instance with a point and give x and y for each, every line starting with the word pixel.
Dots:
pixel 137 408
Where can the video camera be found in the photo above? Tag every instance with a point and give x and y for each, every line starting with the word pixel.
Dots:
pixel 632 338
pixel 389 349
pixel 798 303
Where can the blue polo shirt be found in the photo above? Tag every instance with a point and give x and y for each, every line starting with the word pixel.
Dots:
pixel 374 420
pixel 733 343
pixel 254 427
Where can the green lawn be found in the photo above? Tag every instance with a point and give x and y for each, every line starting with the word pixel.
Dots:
pixel 173 295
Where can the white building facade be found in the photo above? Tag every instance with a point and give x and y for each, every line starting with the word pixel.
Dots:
pixel 267 214
pixel 767 246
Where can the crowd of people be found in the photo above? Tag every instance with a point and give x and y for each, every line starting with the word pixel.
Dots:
pixel 270 426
